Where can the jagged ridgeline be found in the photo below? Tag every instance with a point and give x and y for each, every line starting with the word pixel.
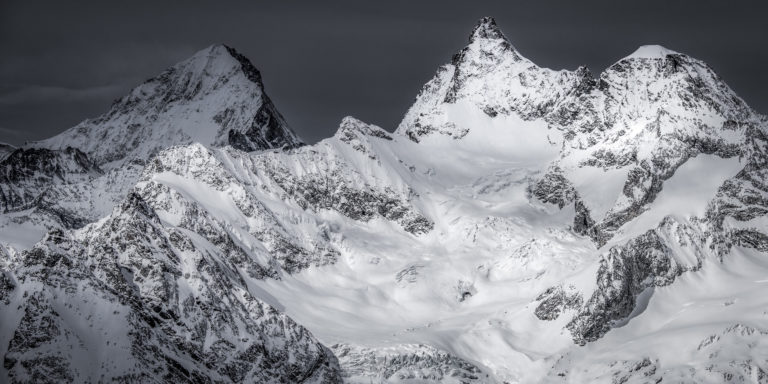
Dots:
pixel 521 224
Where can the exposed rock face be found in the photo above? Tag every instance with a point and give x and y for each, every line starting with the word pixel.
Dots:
pixel 24 173
pixel 554 301
pixel 643 263
pixel 554 188
pixel 743 199
pixel 50 187
pixel 327 181
pixel 404 363
pixel 626 273
pixel 358 204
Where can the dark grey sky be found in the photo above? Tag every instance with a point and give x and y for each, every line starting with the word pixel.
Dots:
pixel 64 61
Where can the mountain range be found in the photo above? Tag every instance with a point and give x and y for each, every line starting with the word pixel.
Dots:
pixel 520 225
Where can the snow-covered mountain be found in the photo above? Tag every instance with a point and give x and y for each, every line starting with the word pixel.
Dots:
pixel 215 98
pixel 520 225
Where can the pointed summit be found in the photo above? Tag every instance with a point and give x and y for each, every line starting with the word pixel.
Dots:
pixel 215 97
pixel 486 28
pixel 487 39
pixel 228 56
pixel 213 64
pixel 488 73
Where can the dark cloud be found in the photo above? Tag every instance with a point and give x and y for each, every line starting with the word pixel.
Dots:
pixel 66 61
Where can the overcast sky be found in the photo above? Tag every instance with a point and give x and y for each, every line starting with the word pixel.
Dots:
pixel 64 61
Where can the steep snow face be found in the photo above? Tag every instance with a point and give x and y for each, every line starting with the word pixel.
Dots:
pixel 216 98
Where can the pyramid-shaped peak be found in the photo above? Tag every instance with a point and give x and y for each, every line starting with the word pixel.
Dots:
pixel 488 39
pixel 215 97
pixel 220 59
pixel 486 28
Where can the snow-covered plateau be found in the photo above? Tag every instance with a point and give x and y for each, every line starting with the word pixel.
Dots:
pixel 520 225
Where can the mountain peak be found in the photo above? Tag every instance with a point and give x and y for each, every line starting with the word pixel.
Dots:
pixel 486 28
pixel 217 61
pixel 487 40
pixel 352 127
pixel 651 52
pixel 215 97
